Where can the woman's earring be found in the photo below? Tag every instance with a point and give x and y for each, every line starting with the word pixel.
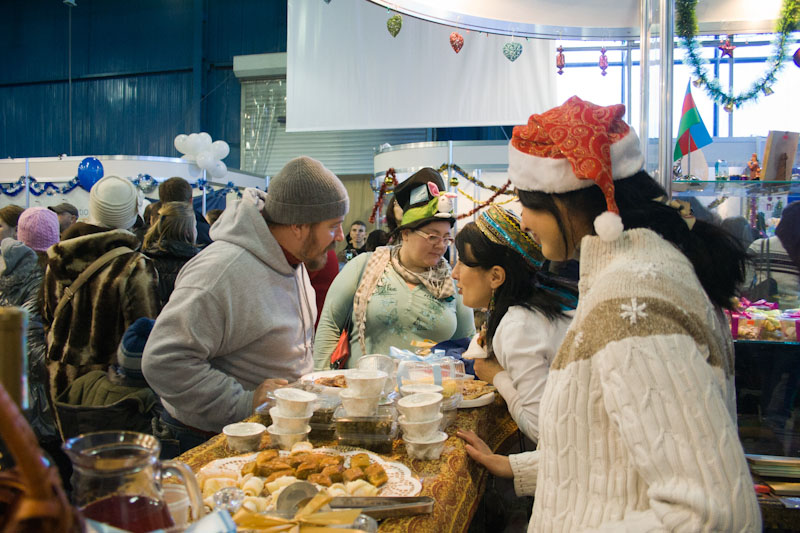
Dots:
pixel 491 303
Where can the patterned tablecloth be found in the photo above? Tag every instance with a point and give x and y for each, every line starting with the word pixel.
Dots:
pixel 454 481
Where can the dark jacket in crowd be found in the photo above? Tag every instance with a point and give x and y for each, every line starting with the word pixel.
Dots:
pixel 168 258
pixel 87 333
pixel 203 238
pixel 20 283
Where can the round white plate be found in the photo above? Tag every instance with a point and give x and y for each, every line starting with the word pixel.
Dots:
pixel 480 401
pixel 313 376
pixel 401 482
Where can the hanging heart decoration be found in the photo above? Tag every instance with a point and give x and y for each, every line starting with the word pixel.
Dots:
pixel 456 41
pixel 394 24
pixel 512 51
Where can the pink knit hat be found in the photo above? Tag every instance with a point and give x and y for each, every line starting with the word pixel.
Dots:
pixel 38 228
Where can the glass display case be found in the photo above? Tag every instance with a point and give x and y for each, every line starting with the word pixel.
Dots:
pixel 766 347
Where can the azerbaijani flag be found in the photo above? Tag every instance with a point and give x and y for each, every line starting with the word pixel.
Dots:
pixel 692 133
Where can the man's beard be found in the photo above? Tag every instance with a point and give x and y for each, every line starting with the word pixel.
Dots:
pixel 317 262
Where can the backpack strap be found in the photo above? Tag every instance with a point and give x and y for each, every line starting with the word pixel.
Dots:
pixel 84 276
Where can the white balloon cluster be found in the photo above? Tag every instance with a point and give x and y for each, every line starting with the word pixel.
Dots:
pixel 198 148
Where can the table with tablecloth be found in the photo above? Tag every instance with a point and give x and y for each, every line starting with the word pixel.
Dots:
pixel 454 481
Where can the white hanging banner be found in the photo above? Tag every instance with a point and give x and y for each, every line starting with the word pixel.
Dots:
pixel 345 71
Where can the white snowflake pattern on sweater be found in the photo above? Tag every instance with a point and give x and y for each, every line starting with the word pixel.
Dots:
pixel 634 311
pixel 644 270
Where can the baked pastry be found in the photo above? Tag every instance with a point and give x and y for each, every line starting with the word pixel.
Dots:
pixel 320 479
pixel 266 456
pixel 306 469
pixel 338 381
pixel 296 459
pixel 249 468
pixel 476 388
pixel 331 460
pixel 303 446
pixel 334 472
pixel 352 474
pixel 269 467
pixel 359 460
pixel 279 473
pixel 376 474
pixel 361 488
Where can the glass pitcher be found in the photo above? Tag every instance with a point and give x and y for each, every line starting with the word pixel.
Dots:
pixel 117 480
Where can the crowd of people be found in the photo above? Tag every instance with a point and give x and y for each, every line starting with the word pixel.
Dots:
pixel 605 331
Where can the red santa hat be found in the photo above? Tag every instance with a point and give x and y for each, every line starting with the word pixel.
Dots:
pixel 573 146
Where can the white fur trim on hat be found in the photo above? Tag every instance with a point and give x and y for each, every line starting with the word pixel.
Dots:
pixel 608 226
pixel 545 174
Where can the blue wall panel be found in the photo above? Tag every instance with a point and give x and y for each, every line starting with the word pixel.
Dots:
pixel 142 72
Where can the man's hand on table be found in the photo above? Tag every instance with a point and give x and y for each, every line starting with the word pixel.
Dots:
pixel 268 385
pixel 499 465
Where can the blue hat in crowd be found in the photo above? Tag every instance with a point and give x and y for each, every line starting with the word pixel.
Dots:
pixel 129 354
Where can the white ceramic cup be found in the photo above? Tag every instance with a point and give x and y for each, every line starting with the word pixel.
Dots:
pixel 415 388
pixel 359 406
pixel 428 449
pixel 381 362
pixel 420 430
pixel 295 402
pixel 366 383
pixel 420 407
pixel 243 436
pixel 290 424
pixel 285 440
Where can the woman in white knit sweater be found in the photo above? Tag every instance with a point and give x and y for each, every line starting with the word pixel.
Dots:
pixel 497 269
pixel 638 417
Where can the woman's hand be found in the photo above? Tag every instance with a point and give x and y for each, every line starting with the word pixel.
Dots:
pixel 499 465
pixel 487 369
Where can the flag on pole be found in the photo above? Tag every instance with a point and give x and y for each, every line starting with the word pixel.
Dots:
pixel 692 133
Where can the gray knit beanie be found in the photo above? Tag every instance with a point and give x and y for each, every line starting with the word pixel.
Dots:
pixel 304 192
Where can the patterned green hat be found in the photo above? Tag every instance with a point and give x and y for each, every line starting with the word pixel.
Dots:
pixel 423 199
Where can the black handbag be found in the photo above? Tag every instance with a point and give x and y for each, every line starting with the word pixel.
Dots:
pixel 767 288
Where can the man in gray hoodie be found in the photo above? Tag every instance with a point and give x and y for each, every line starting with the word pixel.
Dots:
pixel 240 321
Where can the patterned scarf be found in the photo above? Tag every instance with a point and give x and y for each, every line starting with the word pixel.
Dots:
pixel 436 280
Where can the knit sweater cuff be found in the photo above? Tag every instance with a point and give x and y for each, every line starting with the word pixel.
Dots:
pixel 525 467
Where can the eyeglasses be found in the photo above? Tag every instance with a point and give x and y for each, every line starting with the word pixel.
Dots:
pixel 434 240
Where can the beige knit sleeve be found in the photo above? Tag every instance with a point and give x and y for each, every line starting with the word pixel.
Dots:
pixel 525 467
pixel 660 395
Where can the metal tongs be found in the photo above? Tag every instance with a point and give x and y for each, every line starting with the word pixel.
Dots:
pixel 297 494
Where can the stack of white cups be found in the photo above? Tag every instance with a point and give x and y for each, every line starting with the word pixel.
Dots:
pixel 363 392
pixel 290 417
pixel 421 420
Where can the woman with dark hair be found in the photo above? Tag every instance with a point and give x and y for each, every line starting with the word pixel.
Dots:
pixel 9 215
pixel 637 424
pixel 170 243
pixel 497 269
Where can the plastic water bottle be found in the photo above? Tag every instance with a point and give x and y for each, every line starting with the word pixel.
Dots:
pixel 721 170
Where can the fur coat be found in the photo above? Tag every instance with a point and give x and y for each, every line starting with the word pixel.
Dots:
pixel 86 335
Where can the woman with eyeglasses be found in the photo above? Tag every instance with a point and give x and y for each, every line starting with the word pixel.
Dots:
pixel 400 293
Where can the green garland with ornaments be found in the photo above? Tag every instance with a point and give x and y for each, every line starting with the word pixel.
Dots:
pixel 686 26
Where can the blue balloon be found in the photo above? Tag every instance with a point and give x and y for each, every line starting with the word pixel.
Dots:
pixel 89 172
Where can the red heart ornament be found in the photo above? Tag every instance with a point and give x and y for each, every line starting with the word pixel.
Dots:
pixel 456 41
